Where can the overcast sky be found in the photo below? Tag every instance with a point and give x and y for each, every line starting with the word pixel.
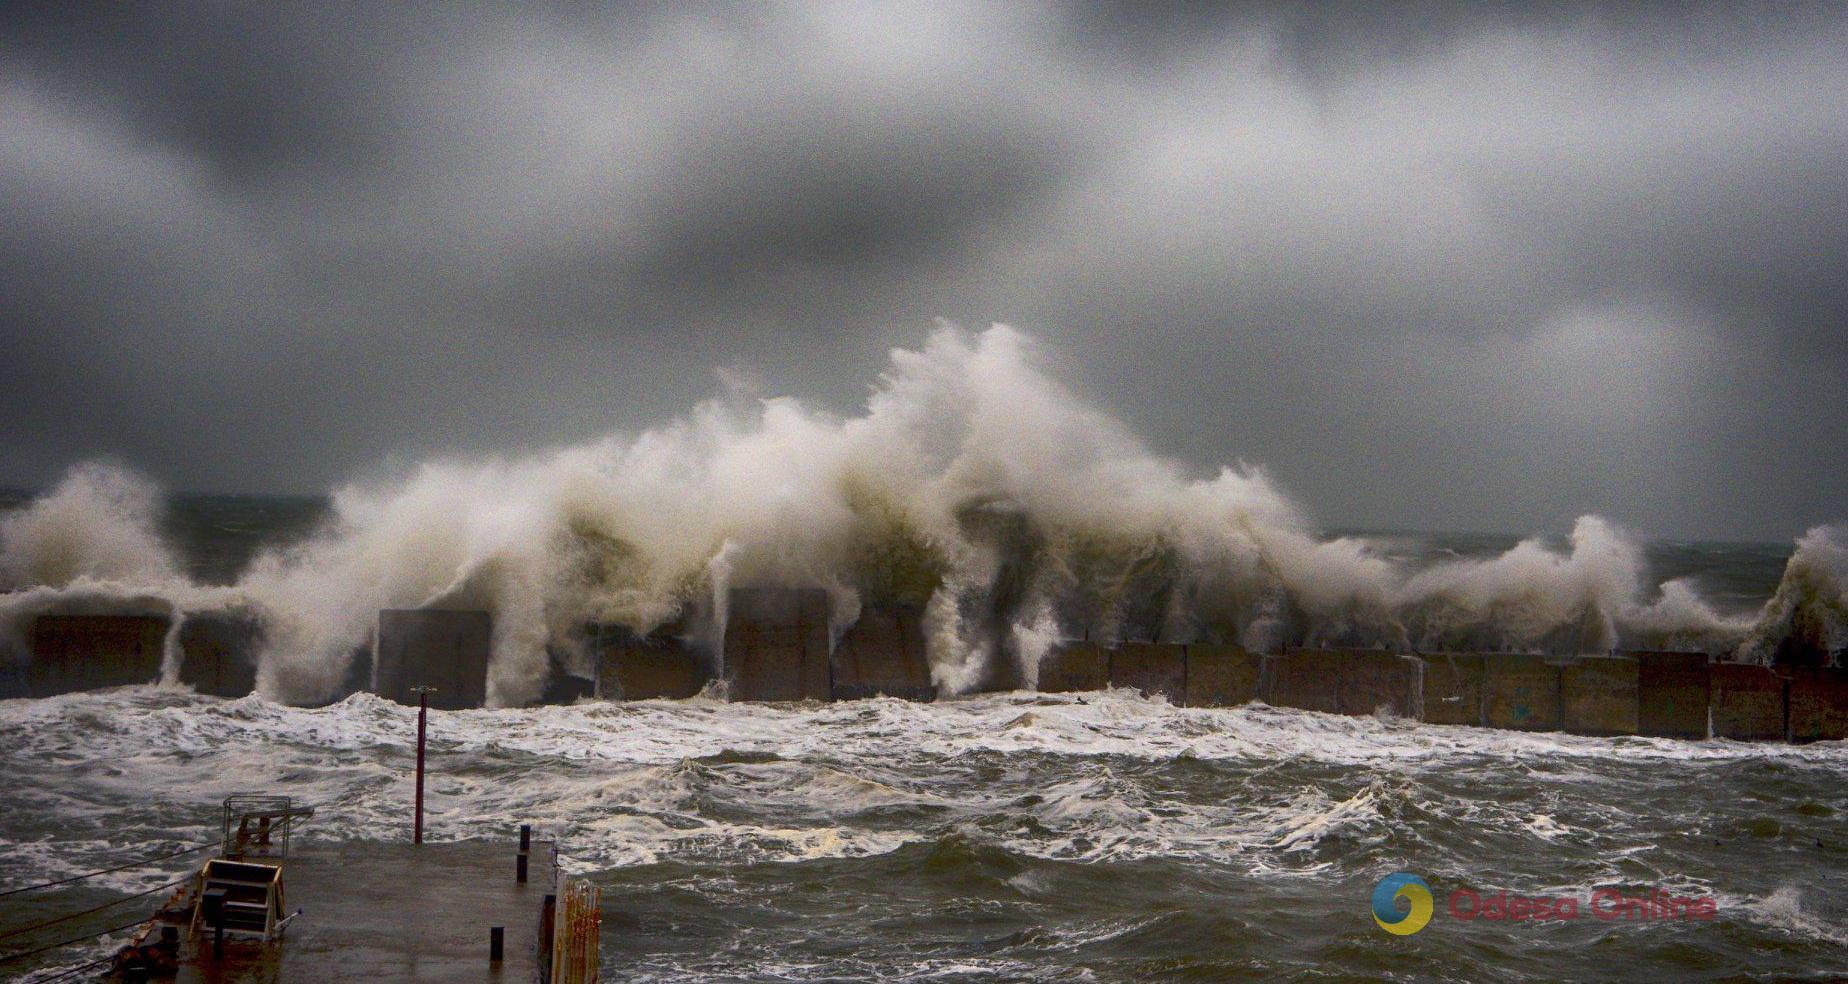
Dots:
pixel 1442 268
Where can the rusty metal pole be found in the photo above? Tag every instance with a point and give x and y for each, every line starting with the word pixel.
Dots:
pixel 423 715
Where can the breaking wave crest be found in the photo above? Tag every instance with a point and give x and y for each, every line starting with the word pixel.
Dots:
pixel 974 486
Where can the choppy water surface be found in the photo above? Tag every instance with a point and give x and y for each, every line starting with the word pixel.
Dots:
pixel 1007 837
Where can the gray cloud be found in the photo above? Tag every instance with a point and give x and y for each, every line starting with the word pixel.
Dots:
pixel 1439 266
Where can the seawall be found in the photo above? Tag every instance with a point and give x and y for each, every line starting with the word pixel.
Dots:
pixel 779 645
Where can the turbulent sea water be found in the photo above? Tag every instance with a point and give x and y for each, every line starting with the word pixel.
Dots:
pixel 1097 837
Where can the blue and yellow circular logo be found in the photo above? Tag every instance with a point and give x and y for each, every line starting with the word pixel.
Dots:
pixel 1386 896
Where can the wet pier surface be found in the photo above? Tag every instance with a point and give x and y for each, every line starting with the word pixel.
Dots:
pixel 378 912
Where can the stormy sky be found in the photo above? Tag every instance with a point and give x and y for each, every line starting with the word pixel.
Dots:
pixel 1435 267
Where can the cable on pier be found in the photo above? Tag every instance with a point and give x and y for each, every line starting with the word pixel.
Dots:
pixel 9 934
pixel 104 871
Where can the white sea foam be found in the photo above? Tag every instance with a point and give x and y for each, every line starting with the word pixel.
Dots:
pixel 1783 910
pixel 972 480
pixel 642 782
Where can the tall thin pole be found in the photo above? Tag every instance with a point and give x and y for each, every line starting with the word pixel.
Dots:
pixel 423 716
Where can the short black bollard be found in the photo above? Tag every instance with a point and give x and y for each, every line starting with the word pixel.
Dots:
pixel 520 870
pixel 526 837
pixel 548 916
pixel 214 904
pixel 497 943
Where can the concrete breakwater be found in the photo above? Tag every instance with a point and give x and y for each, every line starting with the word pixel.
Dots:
pixel 778 645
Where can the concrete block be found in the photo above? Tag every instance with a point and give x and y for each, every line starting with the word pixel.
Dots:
pixel 776 644
pixel 883 654
pixel 1374 679
pixel 1748 702
pixel 1818 704
pixel 1309 679
pixel 423 647
pixel 1598 695
pixel 1004 674
pixel 1074 668
pixel 89 652
pixel 1221 676
pixel 358 676
pixel 1673 694
pixel 562 686
pixel 638 667
pixel 1155 668
pixel 1520 692
pixel 1453 688
pixel 218 653
pixel 1354 682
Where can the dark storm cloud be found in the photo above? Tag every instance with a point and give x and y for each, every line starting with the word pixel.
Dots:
pixel 1437 265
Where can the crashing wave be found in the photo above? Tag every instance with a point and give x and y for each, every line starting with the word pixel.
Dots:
pixel 974 486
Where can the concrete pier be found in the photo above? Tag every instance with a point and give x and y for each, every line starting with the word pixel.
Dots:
pixel 644 667
pixel 1453 688
pixel 376 911
pixel 1673 693
pixel 1221 676
pixel 1818 704
pixel 882 654
pixel 776 644
pixel 1520 692
pixel 90 652
pixel 1075 667
pixel 1155 668
pixel 448 650
pixel 1598 695
pixel 1747 702
pixel 218 653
